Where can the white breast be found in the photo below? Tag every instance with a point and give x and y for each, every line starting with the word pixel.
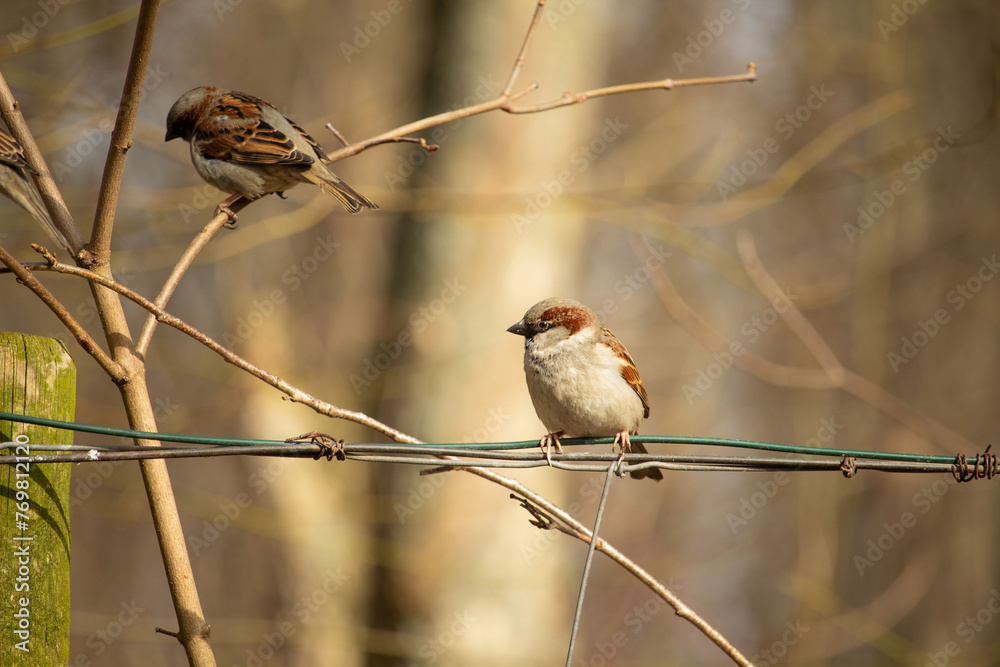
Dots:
pixel 577 386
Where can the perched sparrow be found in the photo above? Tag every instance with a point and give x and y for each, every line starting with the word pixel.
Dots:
pixel 16 183
pixel 582 381
pixel 244 146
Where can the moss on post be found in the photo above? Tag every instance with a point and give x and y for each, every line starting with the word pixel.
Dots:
pixel 38 378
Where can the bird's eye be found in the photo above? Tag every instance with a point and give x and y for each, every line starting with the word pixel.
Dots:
pixel 544 325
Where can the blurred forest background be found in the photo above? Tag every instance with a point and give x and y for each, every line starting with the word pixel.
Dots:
pixel 883 106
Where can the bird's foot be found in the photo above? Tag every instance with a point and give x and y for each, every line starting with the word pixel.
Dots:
pixel 622 441
pixel 223 207
pixel 548 441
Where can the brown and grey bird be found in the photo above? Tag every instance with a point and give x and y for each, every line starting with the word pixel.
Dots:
pixel 243 145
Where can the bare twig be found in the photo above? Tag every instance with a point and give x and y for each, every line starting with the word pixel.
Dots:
pixel 341 138
pixel 561 520
pixel 505 103
pixel 422 124
pixel 420 141
pixel 507 97
pixel 196 246
pixel 664 84
pixel 121 136
pixel 523 51
pixel 90 346
pixel 293 392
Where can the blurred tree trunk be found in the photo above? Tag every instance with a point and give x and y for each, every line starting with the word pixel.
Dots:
pixel 454 291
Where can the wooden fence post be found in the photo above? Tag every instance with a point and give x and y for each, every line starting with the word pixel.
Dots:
pixel 38 378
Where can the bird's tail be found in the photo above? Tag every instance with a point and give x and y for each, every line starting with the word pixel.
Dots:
pixel 352 200
pixel 652 473
pixel 27 197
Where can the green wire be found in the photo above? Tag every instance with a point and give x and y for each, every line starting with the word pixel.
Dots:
pixel 523 444
pixel 128 433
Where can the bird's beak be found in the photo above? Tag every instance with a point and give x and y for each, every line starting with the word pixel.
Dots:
pixel 170 135
pixel 520 329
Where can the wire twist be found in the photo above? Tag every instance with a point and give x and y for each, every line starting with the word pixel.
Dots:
pixel 849 466
pixel 986 465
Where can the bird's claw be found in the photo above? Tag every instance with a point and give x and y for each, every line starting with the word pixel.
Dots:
pixel 623 442
pixel 224 208
pixel 546 444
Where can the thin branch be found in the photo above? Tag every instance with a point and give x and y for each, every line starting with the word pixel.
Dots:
pixel 418 125
pixel 294 393
pixel 664 84
pixel 506 98
pixel 89 345
pixel 561 519
pixel 504 102
pixel 341 138
pixel 522 53
pixel 420 141
pixel 121 136
pixel 430 148
pixel 196 246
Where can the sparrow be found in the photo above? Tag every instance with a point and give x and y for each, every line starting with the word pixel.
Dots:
pixel 17 184
pixel 581 379
pixel 244 146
